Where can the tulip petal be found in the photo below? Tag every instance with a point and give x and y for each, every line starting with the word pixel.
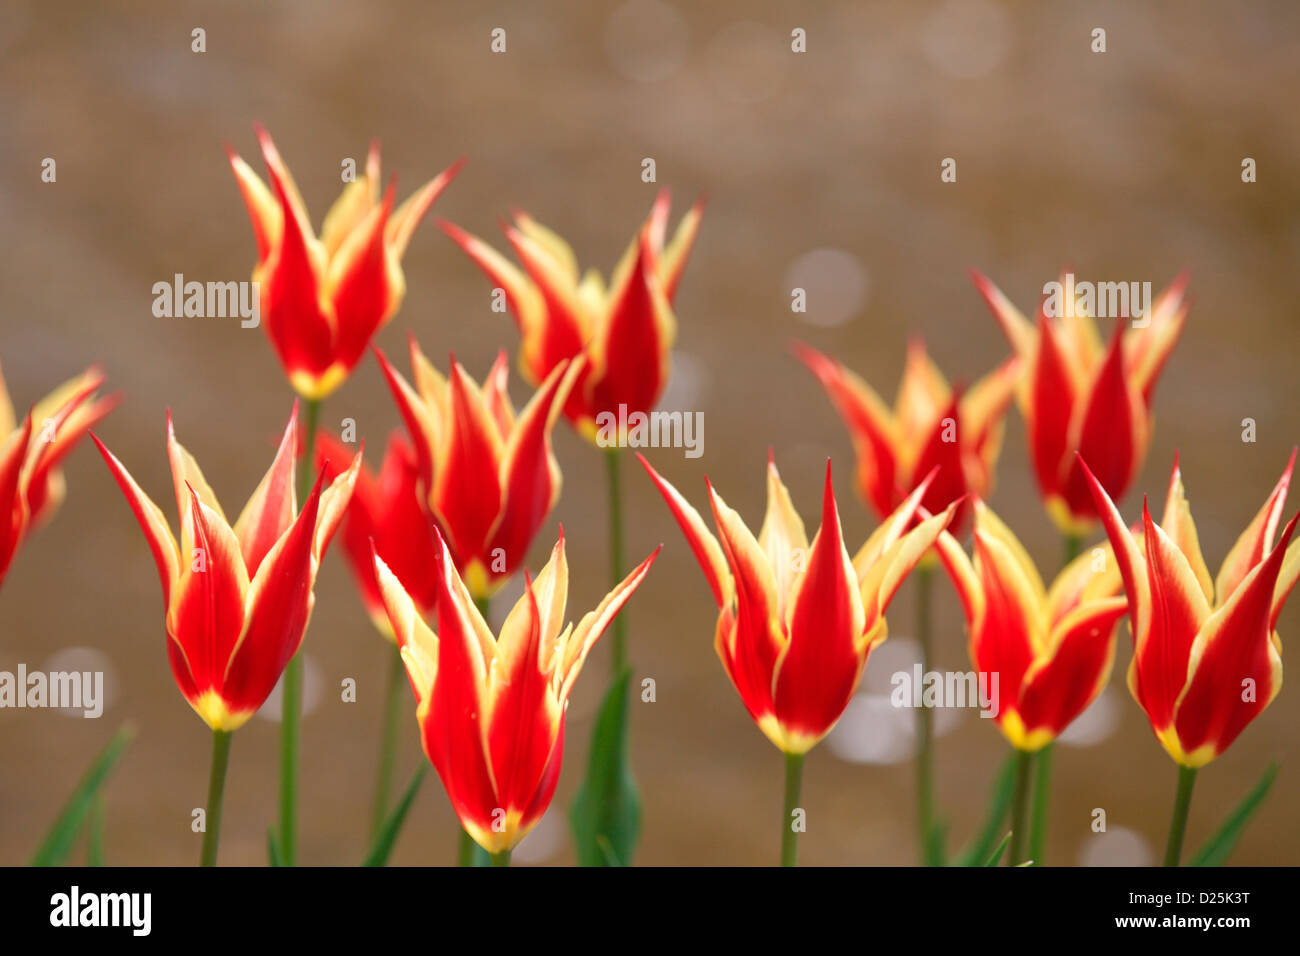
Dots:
pixel 876 439
pixel 151 519
pixel 419 423
pixel 1061 684
pixel 1177 523
pixel 672 263
pixel 579 643
pixel 783 539
pixel 703 544
pixel 821 664
pixel 1051 406
pixel 186 475
pixel 206 612
pixel 923 393
pixel 263 210
pixel 418 644
pixel 528 474
pixel 1178 610
pixel 365 284
pixel 467 493
pixel 1234 668
pixel 1018 329
pixel 1256 540
pixel 407 216
pixel 271 509
pixel 1010 635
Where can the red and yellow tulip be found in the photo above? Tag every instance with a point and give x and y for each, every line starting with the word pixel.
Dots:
pixel 387 516
pixel 31 483
pixel 488 476
pixel 491 708
pixel 624 329
pixel 323 298
pixel 1051 649
pixel 238 597
pixel 1080 396
pixel 931 426
pixel 796 621
pixel 1206 654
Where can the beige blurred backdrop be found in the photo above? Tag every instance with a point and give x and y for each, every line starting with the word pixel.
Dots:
pixel 822 170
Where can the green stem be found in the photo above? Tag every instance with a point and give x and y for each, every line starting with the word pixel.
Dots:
pixel 1073 546
pixel 388 740
pixel 216 796
pixel 291 699
pixel 501 859
pixel 1042 797
pixel 1178 824
pixel 616 552
pixel 790 836
pixel 1019 800
pixel 924 723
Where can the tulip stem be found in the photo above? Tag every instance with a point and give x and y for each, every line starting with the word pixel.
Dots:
pixel 616 552
pixel 924 724
pixel 1073 547
pixel 789 834
pixel 1178 825
pixel 291 696
pixel 1019 799
pixel 216 796
pixel 388 739
pixel 1042 797
pixel 501 859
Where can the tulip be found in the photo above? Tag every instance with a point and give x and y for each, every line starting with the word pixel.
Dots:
pixel 238 597
pixel 491 707
pixel 1078 396
pixel 930 427
pixel 387 510
pixel 933 431
pixel 323 298
pixel 1206 654
pixel 31 482
pixel 797 622
pixel 488 476
pixel 1050 650
pixel 624 329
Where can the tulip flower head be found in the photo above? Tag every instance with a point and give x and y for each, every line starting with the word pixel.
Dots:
pixel 323 298
pixel 1051 649
pixel 491 707
pixel 488 476
pixel 1078 396
pixel 388 516
pixel 238 597
pixel 796 621
pixel 1206 654
pixel 625 329
pixel 31 482
pixel 932 426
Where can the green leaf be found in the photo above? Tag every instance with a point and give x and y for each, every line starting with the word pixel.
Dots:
pixel 58 841
pixel 95 842
pixel 606 813
pixel 387 835
pixel 983 844
pixel 1219 847
pixel 936 848
pixel 996 858
pixel 273 856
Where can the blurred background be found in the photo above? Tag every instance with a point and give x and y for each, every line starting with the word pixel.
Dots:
pixel 822 171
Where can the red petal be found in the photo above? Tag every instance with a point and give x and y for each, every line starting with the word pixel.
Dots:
pixel 1057 692
pixel 467 494
pixel 1051 407
pixel 820 669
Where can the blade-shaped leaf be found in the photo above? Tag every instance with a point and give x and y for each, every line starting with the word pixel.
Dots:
pixel 273 856
pixel 996 858
pixel 1219 847
pixel 58 841
pixel 999 805
pixel 606 813
pixel 95 842
pixel 387 835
